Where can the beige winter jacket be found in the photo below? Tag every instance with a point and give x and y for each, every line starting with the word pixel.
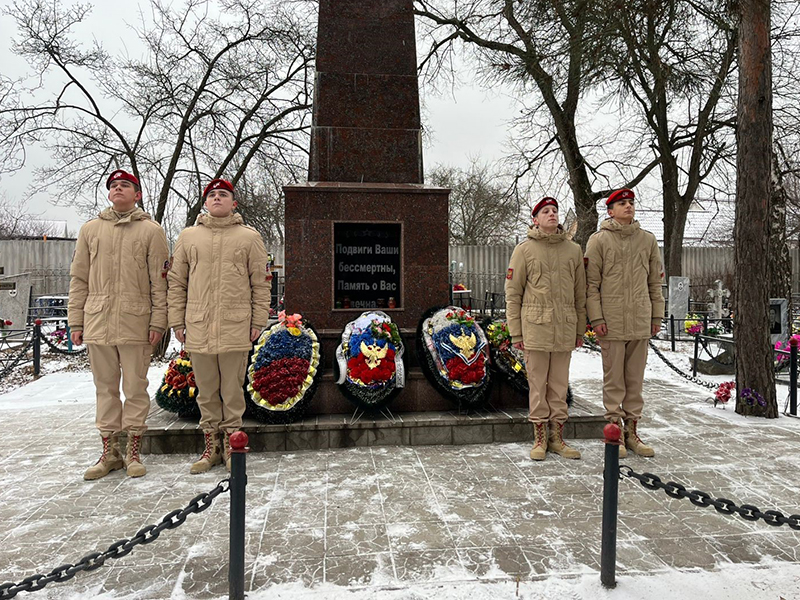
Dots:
pixel 546 292
pixel 218 286
pixel 118 286
pixel 624 280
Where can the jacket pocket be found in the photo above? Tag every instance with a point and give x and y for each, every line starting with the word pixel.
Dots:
pixel 539 314
pixel 134 319
pixel 192 259
pixel 235 326
pixel 534 272
pixel 95 320
pixel 94 244
pixel 140 254
pixel 196 329
pixel 240 261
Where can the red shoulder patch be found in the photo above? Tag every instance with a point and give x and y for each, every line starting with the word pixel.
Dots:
pixel 510 274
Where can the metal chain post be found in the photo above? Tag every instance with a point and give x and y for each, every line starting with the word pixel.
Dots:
pixel 37 347
pixel 238 442
pixel 608 551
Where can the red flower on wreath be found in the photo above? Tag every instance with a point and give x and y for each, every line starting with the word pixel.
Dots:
pixel 190 380
pixel 179 381
pixel 358 368
pixel 280 380
pixel 458 370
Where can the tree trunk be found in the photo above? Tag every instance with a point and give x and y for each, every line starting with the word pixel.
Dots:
pixel 754 357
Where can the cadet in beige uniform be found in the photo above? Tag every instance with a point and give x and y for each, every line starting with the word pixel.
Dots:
pixel 546 312
pixel 625 307
pixel 118 307
pixel 219 294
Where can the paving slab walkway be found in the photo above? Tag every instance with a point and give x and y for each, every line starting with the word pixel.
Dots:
pixel 388 518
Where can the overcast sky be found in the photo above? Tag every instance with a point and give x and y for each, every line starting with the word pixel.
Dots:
pixel 466 122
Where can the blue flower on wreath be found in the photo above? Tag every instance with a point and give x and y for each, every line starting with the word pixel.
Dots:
pixel 445 347
pixel 283 344
pixel 368 339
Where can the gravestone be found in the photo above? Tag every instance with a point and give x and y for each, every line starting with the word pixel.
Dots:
pixel 15 294
pixel 778 319
pixel 365 231
pixel 679 297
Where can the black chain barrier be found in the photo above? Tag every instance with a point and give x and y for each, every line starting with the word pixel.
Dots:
pixel 53 347
pixel 21 356
pixel 95 560
pixel 706 384
pixel 722 505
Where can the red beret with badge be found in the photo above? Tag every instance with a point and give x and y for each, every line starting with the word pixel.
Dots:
pixel 120 175
pixel 218 184
pixel 623 194
pixel 546 201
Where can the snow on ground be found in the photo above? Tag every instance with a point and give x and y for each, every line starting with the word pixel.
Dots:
pixel 443 506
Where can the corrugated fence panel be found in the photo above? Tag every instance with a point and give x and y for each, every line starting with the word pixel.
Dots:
pixel 47 262
pixel 480 268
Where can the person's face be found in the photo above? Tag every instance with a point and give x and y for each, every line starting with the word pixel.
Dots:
pixel 123 195
pixel 547 218
pixel 220 203
pixel 622 211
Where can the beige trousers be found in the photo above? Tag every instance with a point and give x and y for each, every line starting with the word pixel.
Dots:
pixel 107 363
pixel 220 374
pixel 548 379
pixel 623 377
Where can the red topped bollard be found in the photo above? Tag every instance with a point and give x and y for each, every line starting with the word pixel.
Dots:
pixel 611 432
pixel 608 552
pixel 239 449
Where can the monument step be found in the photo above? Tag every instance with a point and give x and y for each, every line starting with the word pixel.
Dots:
pixel 168 434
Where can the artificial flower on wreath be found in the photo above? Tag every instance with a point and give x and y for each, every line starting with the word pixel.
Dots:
pixel 456 354
pixel 508 360
pixel 284 370
pixel 178 390
pixel 369 360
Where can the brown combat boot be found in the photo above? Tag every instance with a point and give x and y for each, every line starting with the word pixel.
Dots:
pixel 623 453
pixel 557 444
pixel 212 455
pixel 133 462
pixel 226 444
pixel 634 442
pixel 539 450
pixel 110 459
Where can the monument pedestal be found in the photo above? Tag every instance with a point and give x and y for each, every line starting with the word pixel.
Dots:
pixel 317 281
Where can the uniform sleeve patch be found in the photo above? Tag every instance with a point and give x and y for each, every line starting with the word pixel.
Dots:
pixel 510 274
pixel 165 269
pixel 269 274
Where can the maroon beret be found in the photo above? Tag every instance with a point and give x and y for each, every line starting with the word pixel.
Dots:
pixel 118 175
pixel 218 184
pixel 547 201
pixel 623 194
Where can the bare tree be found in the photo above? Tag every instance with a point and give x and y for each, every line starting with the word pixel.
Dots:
pixel 675 60
pixel 211 96
pixel 17 222
pixel 483 208
pixel 754 355
pixel 549 49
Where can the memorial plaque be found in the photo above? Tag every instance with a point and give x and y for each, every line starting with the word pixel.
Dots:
pixel 367 269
